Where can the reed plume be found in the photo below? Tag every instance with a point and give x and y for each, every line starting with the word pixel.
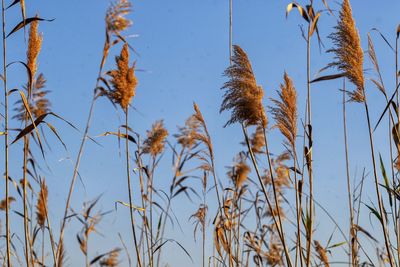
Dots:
pixel 155 142
pixel 199 218
pixel 3 203
pixel 123 80
pixel 257 140
pixel 111 260
pixel 285 111
pixel 34 46
pixel 41 206
pixel 187 134
pixel 274 254
pixel 240 171
pixel 115 16
pixel 350 60
pixel 39 104
pixel 348 51
pixel 321 253
pixel 243 96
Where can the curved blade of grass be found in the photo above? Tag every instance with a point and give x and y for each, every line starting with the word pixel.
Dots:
pixel 25 22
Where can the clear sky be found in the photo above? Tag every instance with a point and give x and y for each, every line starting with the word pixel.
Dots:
pixel 183 49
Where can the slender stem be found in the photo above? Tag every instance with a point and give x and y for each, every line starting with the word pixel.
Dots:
pixel 50 235
pixel 230 30
pixel 43 247
pixel 6 133
pixel 75 175
pixel 274 192
pixel 204 227
pixel 352 236
pixel 150 193
pixel 87 246
pixel 299 247
pixel 378 194
pixel 177 164
pixel 25 182
pixel 237 192
pixel 145 227
pixel 81 149
pixel 310 151
pixel 128 172
pixel 397 223
pixel 264 190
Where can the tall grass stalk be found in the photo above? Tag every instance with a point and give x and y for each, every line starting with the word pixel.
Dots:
pixel 283 240
pixel 382 212
pixel 352 236
pixel 128 173
pixel 6 145
pixel 309 153
pixel 81 148
pixel 264 190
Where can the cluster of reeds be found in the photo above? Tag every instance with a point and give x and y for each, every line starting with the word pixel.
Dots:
pixel 261 213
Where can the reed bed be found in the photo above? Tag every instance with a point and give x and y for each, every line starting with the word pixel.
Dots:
pixel 261 209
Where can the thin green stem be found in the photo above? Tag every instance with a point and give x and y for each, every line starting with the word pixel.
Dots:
pixel 6 134
pixel 264 190
pixel 378 194
pixel 128 172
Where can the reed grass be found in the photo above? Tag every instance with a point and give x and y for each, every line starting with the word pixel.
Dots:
pixel 262 212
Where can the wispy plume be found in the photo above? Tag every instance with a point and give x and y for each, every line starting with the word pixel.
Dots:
pixel 115 16
pixel 34 46
pixel 348 51
pixel 285 110
pixel 155 142
pixel 243 97
pixel 123 80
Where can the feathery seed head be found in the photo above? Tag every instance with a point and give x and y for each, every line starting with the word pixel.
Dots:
pixel 322 255
pixel 154 144
pixel 41 206
pixel 240 170
pixel 243 96
pixel 34 46
pixel 115 16
pixel 187 136
pixel 123 80
pixel 38 103
pixel 348 51
pixel 285 110
pixel 257 140
pixel 111 260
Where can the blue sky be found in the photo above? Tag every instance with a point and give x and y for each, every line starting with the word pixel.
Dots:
pixel 183 49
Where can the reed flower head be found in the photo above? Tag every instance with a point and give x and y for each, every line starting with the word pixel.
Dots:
pixel 274 254
pixel 240 170
pixel 349 54
pixel 322 255
pixel 243 96
pixel 155 142
pixel 285 110
pixel 115 16
pixel 41 206
pixel 3 203
pixel 257 140
pixel 38 104
pixel 199 218
pixel 111 260
pixel 187 136
pixel 34 46
pixel 123 80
